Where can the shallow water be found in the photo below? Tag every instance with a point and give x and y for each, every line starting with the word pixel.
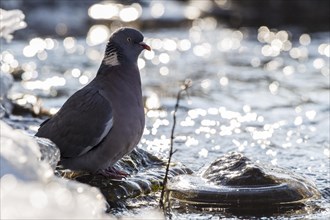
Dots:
pixel 262 93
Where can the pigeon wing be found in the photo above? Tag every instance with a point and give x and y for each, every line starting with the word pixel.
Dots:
pixel 81 124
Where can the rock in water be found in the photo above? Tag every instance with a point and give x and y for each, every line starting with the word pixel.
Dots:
pixel 146 173
pixel 234 181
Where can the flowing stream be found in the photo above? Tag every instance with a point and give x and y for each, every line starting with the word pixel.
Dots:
pixel 262 93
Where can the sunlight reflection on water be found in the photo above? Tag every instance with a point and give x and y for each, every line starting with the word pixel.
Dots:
pixel 262 94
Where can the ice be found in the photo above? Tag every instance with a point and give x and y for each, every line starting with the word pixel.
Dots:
pixel 11 21
pixel 30 190
pixel 6 82
pixel 49 151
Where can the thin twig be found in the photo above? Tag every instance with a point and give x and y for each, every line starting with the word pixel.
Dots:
pixel 184 88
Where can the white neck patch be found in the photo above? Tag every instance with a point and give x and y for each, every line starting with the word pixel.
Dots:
pixel 111 59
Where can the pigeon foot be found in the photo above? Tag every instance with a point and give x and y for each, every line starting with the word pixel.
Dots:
pixel 113 173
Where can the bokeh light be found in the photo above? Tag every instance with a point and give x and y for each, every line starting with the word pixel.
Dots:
pixel 98 34
pixel 103 11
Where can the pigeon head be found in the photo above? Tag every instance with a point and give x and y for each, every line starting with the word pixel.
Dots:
pixel 124 45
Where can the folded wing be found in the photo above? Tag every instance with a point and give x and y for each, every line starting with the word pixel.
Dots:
pixel 81 124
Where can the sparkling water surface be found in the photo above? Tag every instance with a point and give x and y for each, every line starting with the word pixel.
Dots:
pixel 263 93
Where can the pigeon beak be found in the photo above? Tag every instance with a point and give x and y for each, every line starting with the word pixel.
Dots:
pixel 145 46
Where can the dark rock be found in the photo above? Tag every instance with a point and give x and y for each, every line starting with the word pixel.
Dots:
pixel 146 176
pixel 236 170
pixel 233 181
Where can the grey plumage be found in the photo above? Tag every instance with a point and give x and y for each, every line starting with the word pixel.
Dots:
pixel 103 121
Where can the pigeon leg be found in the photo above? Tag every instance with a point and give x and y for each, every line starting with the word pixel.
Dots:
pixel 113 173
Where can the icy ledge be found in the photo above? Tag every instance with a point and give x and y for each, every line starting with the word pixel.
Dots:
pixel 29 189
pixel 11 21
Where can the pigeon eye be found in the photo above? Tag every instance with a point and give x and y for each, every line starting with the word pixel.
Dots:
pixel 129 39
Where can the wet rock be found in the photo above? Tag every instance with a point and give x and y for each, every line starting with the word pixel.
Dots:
pixel 28 105
pixel 237 170
pixel 234 181
pixel 18 103
pixel 146 173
